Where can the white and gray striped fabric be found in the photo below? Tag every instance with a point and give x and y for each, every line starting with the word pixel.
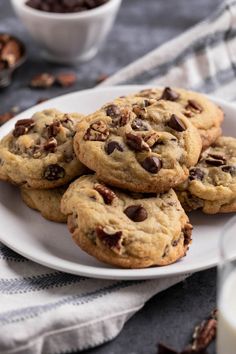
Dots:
pixel 45 311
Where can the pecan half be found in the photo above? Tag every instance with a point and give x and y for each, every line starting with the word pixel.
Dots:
pixel 136 142
pixel 50 145
pixel 22 126
pixel 97 131
pixel 53 129
pixel 151 139
pixel 107 194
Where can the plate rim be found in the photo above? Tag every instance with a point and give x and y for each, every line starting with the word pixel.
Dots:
pixel 94 271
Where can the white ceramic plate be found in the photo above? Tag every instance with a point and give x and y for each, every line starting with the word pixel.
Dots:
pixel 50 244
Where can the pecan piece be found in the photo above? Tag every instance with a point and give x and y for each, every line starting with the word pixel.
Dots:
pixel 107 194
pixel 151 139
pixel 139 111
pixel 22 126
pixel 97 131
pixel 50 145
pixel 5 117
pixel 53 172
pixel 11 52
pixel 136 142
pixel 44 80
pixel 66 79
pixel 109 238
pixel 187 231
pixel 53 129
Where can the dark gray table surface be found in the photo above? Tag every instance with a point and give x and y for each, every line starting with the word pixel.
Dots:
pixel 141 26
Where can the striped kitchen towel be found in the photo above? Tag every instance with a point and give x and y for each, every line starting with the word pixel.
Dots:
pixel 46 311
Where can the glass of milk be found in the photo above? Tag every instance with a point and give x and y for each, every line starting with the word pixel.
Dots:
pixel 226 334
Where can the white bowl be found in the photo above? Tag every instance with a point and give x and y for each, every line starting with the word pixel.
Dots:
pixel 70 37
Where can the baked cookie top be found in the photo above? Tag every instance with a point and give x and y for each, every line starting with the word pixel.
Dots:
pixel 39 153
pixel 130 230
pixel 139 144
pixel 46 201
pixel 212 182
pixel 203 113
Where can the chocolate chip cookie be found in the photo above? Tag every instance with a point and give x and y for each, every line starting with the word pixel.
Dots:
pixel 126 230
pixel 203 114
pixel 211 185
pixel 46 201
pixel 39 153
pixel 138 144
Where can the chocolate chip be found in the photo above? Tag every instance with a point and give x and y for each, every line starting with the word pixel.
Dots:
pixel 214 162
pixel 169 94
pixel 217 157
pixel 136 143
pixel 196 174
pixel 136 213
pixel 113 111
pixel 66 79
pixel 107 194
pixel 97 131
pixel 187 231
pixel 111 146
pixel 53 129
pixel 152 164
pixel 194 105
pixel 138 124
pixel 44 80
pixel 64 6
pixel 176 124
pixel 53 172
pixel 50 145
pixel 111 240
pixel 22 126
pixel 229 169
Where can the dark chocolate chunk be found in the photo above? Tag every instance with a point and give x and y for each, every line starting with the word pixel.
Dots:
pixel 136 213
pixel 53 129
pixel 229 169
pixel 176 123
pixel 53 172
pixel 152 164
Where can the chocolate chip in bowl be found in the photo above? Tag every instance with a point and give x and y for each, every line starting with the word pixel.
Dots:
pixel 64 6
pixel 67 31
pixel 12 55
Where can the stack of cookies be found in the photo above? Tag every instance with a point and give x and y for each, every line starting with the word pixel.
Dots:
pixel 138 159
